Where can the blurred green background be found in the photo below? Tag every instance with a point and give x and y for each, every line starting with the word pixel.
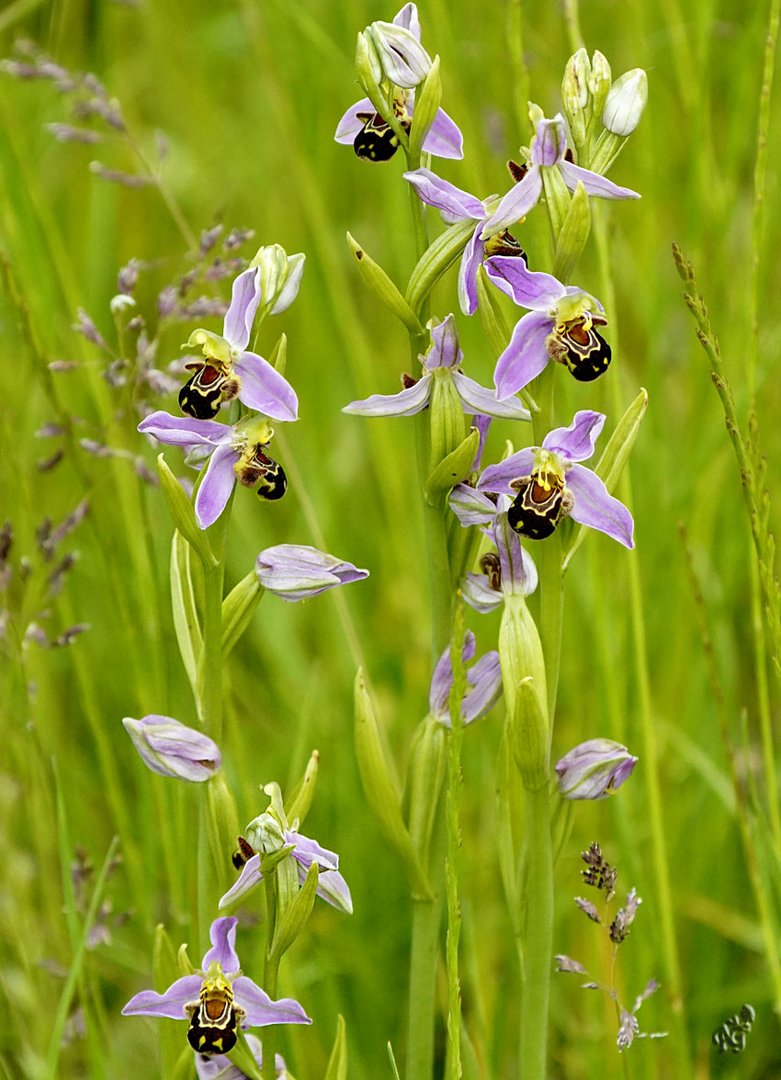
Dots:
pixel 247 96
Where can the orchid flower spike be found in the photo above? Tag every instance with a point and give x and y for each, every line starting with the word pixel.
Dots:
pixel 560 325
pixel 548 152
pixel 397 58
pixel 548 484
pixel 227 369
pixel 218 999
pixel 235 452
pixel 442 360
pixel 456 205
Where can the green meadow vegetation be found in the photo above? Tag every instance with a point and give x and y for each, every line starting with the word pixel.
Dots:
pixel 671 649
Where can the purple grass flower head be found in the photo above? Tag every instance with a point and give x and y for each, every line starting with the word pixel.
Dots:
pixel 218 999
pixel 548 484
pixel 265 835
pixel 228 370
pixel 399 62
pixel 548 152
pixel 442 360
pixel 484 682
pixel 594 769
pixel 220 1067
pixel 454 206
pixel 172 749
pixel 560 325
pixel 625 916
pixel 297 571
pixel 505 572
pixel 236 452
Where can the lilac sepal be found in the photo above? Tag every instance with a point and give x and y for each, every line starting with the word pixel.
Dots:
pixel 249 877
pixel 169 1004
pixel 594 184
pixel 261 1010
pixel 596 507
pixel 479 399
pixel 519 574
pixel 551 142
pixel 531 289
pixel 408 18
pixel 497 478
pixel 442 677
pixel 470 506
pixel 445 352
pixel 297 571
pixel 516 204
pixel 407 402
pixel 245 297
pixel 479 594
pixel 526 354
pixel 183 430
pixel 482 422
pixel 578 441
pixel 171 749
pixel 216 487
pixel 331 886
pixel 471 260
pixel 264 389
pixel 222 934
pixel 453 203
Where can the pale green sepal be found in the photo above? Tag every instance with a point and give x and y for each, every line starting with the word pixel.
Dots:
pixel 447 422
pixel 184 607
pixel 183 963
pixel 278 357
pixel 296 915
pixel 381 789
pixel 510 830
pixel 452 469
pixel 614 457
pixel 369 71
pixel 213 345
pixel 241 1057
pixel 491 315
pixel 535 115
pixel 301 797
pixel 337 1063
pixel 183 513
pixel 428 98
pixel 574 234
pixel 601 81
pixel 525 691
pixel 557 198
pixel 383 288
pixel 436 259
pixel 238 608
pixel 425 777
pixel 576 98
pixel 274 792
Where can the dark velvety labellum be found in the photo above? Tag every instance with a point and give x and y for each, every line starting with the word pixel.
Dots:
pixel 242 853
pixel 213 1023
pixel 586 354
pixel 202 393
pixel 264 473
pixel 274 484
pixel 537 510
pixel 376 141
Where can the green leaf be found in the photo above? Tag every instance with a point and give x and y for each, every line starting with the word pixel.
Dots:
pixel 183 513
pixel 574 234
pixel 436 260
pixel 380 788
pixel 383 288
pixel 337 1063
pixel 238 608
pixel 427 101
pixel 184 606
pixel 452 469
pixel 296 915
pixel 304 791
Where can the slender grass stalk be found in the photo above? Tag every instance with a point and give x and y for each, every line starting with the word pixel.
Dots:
pixel 537 946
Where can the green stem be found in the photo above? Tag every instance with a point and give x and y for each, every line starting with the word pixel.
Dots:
pixel 538 947
pixel 422 986
pixel 453 807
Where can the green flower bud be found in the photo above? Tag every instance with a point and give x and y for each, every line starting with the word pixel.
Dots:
pixel 525 691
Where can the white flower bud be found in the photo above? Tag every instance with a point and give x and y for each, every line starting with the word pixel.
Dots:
pixel 625 102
